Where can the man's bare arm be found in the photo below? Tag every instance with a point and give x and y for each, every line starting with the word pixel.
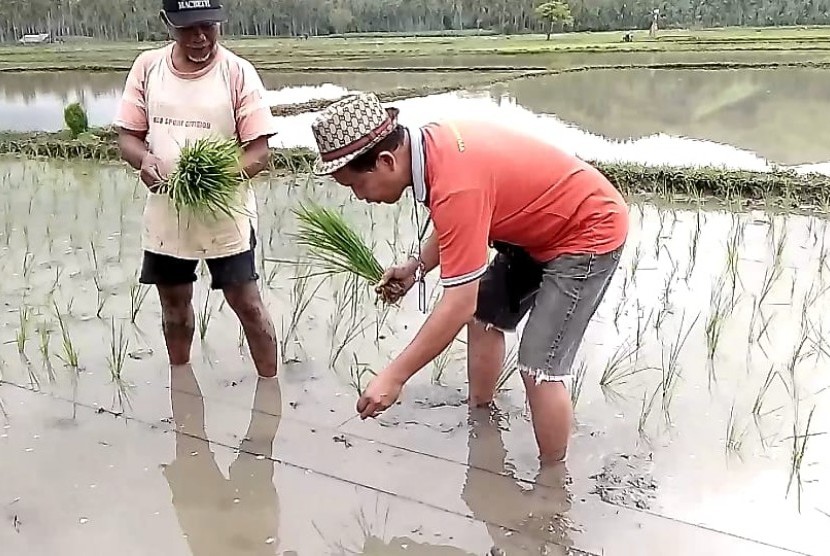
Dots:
pixel 133 146
pixel 255 156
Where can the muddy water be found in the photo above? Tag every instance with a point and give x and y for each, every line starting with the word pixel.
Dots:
pixel 211 461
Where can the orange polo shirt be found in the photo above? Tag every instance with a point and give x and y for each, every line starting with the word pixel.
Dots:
pixel 487 182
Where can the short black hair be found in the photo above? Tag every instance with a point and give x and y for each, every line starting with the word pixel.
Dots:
pixel 368 160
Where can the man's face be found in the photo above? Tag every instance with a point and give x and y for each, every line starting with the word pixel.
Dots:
pixel 383 184
pixel 198 41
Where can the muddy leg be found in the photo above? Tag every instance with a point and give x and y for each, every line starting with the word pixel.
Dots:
pixel 177 321
pixel 552 414
pixel 246 302
pixel 485 358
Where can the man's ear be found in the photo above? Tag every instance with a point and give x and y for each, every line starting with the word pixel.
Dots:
pixel 387 159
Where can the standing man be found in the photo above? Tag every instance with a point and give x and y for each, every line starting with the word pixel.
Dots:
pixel 187 90
pixel 558 224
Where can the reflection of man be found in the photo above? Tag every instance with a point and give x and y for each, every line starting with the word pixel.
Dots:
pixel 222 517
pixel 559 226
pixel 536 514
pixel 191 89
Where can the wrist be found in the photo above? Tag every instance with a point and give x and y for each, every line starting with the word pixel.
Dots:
pixel 414 263
pixel 396 374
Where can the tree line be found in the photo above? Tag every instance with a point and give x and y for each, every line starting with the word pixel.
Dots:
pixel 138 19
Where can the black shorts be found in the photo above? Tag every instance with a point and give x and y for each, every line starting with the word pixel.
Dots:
pixel 164 270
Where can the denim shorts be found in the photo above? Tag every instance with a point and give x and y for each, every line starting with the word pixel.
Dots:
pixel 561 295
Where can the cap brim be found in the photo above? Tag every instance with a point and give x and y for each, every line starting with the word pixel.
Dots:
pixel 322 168
pixel 181 20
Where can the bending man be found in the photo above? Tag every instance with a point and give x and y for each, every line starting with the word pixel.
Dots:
pixel 559 227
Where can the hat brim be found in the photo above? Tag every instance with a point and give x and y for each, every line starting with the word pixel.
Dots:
pixel 182 20
pixel 326 168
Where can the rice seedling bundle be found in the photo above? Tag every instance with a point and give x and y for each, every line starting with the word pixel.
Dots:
pixel 207 177
pixel 335 247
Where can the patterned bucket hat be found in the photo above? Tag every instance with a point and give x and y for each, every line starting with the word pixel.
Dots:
pixel 348 128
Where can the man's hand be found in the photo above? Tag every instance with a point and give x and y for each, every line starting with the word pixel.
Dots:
pixel 381 393
pixel 397 281
pixel 150 173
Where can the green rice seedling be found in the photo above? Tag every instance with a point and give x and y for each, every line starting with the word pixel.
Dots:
pixel 344 298
pixel 578 382
pixel 204 317
pixel 771 275
pixel 780 246
pixel 357 373
pixel 657 239
pixel 334 245
pixel 22 335
pixel 799 448
pixel 792 286
pixel 207 178
pixel 667 287
pixel 734 434
pixel 759 399
pixel 671 364
pixel 45 336
pixel 56 281
pixel 620 308
pixel 440 364
pixel 625 281
pixel 272 274
pixel 119 347
pixel 28 264
pixel 138 293
pixel 509 367
pixel 714 323
pixel 70 353
pixel 300 300
pixel 733 246
pixel 354 329
pixel 822 254
pixel 617 368
pixel 765 322
pixel 753 318
pixel 660 319
pixel 636 259
pixel 642 325
pixel 93 253
pixel 101 298
pixel 795 359
pixel 645 410
pixel 380 320
pixel 811 298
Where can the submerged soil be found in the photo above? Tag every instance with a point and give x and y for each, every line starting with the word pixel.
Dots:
pixel 673 451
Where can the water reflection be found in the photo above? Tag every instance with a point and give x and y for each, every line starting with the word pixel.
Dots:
pixel 34 101
pixel 536 510
pixel 738 118
pixel 656 149
pixel 220 517
pixel 765 111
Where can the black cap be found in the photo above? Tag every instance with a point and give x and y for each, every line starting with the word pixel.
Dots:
pixel 186 13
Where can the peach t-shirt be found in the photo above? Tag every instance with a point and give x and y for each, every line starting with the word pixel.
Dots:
pixel 487 182
pixel 224 99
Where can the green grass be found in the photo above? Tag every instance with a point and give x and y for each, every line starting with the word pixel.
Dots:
pixel 283 53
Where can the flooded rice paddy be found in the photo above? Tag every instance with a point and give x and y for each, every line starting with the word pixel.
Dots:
pixel 701 401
